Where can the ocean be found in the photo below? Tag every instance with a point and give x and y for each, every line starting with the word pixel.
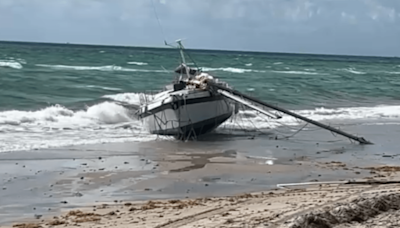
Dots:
pixel 56 95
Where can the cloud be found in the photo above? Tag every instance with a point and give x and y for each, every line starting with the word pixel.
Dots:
pixel 369 27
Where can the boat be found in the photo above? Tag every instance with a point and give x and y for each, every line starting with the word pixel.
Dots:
pixel 187 108
pixel 196 103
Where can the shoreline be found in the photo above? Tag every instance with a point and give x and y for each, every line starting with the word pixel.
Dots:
pixel 188 182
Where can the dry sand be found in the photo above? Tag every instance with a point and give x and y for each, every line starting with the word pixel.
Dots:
pixel 317 205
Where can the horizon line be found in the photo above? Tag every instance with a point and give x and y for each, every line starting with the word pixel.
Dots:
pixel 193 49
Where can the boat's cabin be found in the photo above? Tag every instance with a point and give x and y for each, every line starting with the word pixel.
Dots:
pixel 185 70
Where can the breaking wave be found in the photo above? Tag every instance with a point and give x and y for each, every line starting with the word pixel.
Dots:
pixel 227 69
pixel 353 71
pixel 230 69
pixel 137 63
pixel 318 114
pixel 131 98
pixel 11 64
pixel 103 87
pixel 59 116
pixel 297 72
pixel 57 126
pixel 249 119
pixel 392 72
pixel 99 68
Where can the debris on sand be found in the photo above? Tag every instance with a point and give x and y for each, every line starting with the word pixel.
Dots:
pixel 385 169
pixel 56 222
pixel 81 217
pixel 357 210
pixel 27 225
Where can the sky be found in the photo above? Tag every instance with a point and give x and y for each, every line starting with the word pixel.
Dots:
pixel 350 27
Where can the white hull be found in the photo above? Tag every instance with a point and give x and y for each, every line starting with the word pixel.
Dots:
pixel 188 108
pixel 188 115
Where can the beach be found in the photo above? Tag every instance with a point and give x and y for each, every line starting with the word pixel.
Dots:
pixel 371 201
pixel 72 155
pixel 192 184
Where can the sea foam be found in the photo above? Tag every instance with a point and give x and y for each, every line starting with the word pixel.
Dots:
pixel 318 114
pixel 131 98
pixel 11 64
pixel 392 72
pixel 252 120
pixel 103 87
pixel 297 72
pixel 227 69
pixel 353 71
pixel 98 68
pixel 232 70
pixel 58 116
pixel 57 126
pixel 137 63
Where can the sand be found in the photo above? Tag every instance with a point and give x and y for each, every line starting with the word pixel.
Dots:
pixel 373 204
pixel 175 185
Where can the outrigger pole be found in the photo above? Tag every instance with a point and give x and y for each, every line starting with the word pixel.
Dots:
pixel 361 140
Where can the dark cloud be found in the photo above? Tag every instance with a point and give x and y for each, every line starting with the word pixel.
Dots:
pixel 366 27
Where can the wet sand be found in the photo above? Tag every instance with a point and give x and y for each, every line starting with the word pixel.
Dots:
pixel 38 185
pixel 318 205
pixel 43 182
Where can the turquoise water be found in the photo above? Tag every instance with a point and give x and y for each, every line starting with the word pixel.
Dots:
pixel 60 90
pixel 39 75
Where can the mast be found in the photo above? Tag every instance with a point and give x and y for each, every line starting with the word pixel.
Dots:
pixel 181 51
pixel 180 46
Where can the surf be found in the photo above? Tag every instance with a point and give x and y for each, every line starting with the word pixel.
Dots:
pixel 11 64
pixel 138 63
pixel 297 72
pixel 105 121
pixel 253 121
pixel 109 122
pixel 96 68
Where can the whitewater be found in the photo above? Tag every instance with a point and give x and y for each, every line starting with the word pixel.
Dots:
pixel 107 122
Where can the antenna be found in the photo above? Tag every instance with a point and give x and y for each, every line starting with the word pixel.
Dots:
pixel 179 41
pixel 159 23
